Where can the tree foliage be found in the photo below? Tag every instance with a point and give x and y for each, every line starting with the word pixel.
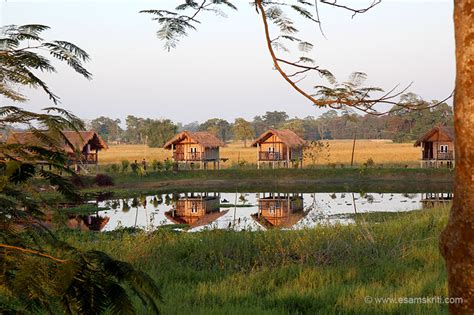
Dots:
pixel 40 273
pixel 243 130
pixel 109 129
pixel 281 21
pixel 21 55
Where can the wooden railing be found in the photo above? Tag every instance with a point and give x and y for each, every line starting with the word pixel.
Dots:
pixel 269 156
pixel 190 156
pixel 440 155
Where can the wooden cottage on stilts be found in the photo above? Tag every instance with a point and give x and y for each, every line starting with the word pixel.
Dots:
pixel 190 148
pixel 437 147
pixel 279 148
pixel 81 147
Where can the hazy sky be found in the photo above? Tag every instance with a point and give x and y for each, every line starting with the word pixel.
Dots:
pixel 224 70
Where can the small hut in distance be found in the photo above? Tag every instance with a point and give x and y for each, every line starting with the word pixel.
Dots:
pixel 83 147
pixel 195 147
pixel 279 147
pixel 437 147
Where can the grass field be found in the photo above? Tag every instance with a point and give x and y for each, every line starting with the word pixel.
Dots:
pixel 382 152
pixel 326 270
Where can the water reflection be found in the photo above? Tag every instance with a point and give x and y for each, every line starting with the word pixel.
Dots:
pixel 430 200
pixel 254 211
pixel 279 210
pixel 93 222
pixel 196 209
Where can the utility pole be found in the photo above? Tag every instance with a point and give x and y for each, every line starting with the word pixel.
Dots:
pixel 353 148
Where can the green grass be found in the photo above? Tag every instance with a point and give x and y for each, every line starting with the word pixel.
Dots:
pixel 326 270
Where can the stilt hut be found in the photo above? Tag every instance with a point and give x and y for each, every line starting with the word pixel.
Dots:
pixel 279 148
pixel 195 147
pixel 83 147
pixel 437 147
pixel 279 210
pixel 196 209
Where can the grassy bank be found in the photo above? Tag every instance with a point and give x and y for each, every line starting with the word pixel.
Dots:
pixel 285 180
pixel 327 270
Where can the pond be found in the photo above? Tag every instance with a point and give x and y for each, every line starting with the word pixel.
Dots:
pixel 249 211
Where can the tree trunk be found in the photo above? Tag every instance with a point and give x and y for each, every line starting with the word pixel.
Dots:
pixel 457 240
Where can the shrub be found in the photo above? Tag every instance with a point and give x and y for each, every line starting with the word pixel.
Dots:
pixel 125 165
pixel 103 180
pixel 78 181
pixel 370 162
pixel 168 165
pixel 157 165
pixel 114 168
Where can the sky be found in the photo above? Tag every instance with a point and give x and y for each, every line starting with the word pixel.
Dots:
pixel 224 69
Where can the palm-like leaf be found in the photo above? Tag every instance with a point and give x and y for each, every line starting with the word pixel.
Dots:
pixel 18 60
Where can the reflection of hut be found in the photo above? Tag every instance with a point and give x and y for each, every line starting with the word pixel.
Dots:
pixel 437 147
pixel 279 146
pixel 87 222
pixel 196 209
pixel 279 210
pixel 430 200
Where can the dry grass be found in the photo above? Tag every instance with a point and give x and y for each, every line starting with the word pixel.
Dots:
pixel 382 152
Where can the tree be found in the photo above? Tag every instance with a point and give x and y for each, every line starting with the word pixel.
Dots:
pixel 296 125
pixel 109 129
pixel 160 131
pixel 275 119
pixel 218 127
pixel 457 241
pixel 135 133
pixel 40 273
pixel 243 130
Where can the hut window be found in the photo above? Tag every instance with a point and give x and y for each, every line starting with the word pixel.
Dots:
pixel 443 148
pixel 271 149
pixel 194 208
pixel 193 150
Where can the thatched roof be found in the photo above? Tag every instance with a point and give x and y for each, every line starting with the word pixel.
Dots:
pixel 78 139
pixel 448 131
pixel 204 220
pixel 288 137
pixel 204 138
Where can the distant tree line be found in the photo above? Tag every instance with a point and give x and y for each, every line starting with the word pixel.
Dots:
pixel 400 127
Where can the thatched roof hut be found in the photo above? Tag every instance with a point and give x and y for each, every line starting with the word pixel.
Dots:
pixel 86 142
pixel 279 147
pixel 437 147
pixel 286 136
pixel 203 138
pixel 446 133
pixel 190 147
pixel 78 139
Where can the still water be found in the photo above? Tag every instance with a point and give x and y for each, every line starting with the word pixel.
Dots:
pixel 251 211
